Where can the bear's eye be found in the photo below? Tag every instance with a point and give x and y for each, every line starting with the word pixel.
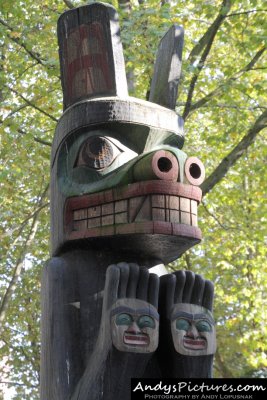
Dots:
pixel 96 152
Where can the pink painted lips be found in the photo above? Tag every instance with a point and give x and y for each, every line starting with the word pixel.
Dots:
pixel 136 339
pixel 157 218
pixel 194 344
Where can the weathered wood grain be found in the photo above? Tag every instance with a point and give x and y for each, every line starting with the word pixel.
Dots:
pixel 136 121
pixel 167 69
pixel 90 52
pixel 109 370
pixel 61 361
pixel 187 292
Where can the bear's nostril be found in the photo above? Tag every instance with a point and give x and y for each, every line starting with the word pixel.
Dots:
pixel 195 170
pixel 161 165
pixel 164 164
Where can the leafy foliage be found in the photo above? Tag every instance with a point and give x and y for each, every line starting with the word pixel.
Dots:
pixel 223 99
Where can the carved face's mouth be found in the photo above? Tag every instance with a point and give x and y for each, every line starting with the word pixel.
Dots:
pixel 166 211
pixel 157 207
pixel 143 202
pixel 135 339
pixel 198 343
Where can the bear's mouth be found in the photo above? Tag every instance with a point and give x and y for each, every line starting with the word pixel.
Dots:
pixel 143 208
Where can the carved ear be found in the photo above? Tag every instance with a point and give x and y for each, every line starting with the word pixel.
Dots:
pixel 167 70
pixel 91 55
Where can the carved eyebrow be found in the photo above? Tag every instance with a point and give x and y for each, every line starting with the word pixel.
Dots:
pixel 193 317
pixel 142 311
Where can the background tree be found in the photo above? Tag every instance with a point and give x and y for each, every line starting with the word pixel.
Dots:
pixel 223 101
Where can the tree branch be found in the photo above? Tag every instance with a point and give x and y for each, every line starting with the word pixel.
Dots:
pixel 19 42
pixel 188 261
pixel 227 228
pixel 23 224
pixel 14 112
pixel 235 154
pixel 22 349
pixel 195 52
pixel 236 107
pixel 69 4
pixel 41 141
pixel 16 273
pixel 10 383
pixel 19 264
pixel 33 105
pixel 224 370
pixel 233 106
pixel 245 12
pixel 205 43
pixel 36 139
pixel 233 78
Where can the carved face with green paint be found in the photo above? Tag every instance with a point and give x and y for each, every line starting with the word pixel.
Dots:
pixel 103 188
pixel 193 330
pixel 96 160
pixel 86 159
pixel 134 326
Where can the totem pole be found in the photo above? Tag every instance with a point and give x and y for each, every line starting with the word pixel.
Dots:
pixel 124 199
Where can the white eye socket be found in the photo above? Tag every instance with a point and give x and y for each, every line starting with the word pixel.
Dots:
pixel 96 152
pixel 194 171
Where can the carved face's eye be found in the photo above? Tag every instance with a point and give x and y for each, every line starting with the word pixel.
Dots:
pixel 182 324
pixel 146 322
pixel 124 319
pixel 203 326
pixel 97 152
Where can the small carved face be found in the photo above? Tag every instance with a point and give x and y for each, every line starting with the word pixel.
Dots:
pixel 193 330
pixel 134 326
